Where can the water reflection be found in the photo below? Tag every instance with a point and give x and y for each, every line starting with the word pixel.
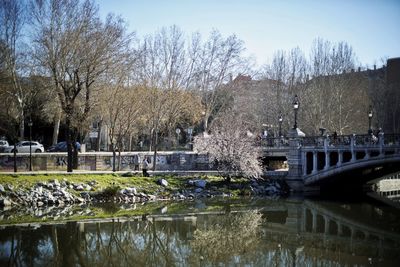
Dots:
pixel 260 233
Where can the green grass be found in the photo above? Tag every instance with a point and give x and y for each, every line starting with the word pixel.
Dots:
pixel 103 180
pixel 106 181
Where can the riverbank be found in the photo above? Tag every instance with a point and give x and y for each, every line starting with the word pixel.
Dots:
pixel 41 190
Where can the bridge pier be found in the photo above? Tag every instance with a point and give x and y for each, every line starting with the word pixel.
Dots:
pixel 294 178
pixel 327 160
pixel 326 225
pixel 340 160
pixel 315 162
pixel 339 229
pixel 314 221
pixel 367 155
pixel 352 144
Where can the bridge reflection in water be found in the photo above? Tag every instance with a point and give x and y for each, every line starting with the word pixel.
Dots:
pixel 289 233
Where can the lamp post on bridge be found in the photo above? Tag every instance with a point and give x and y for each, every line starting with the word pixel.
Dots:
pixel 280 119
pixel 178 132
pixel 296 106
pixel 369 120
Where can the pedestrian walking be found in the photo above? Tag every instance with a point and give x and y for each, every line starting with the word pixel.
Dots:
pixel 335 137
pixel 145 167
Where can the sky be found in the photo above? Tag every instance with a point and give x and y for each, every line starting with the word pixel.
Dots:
pixel 371 27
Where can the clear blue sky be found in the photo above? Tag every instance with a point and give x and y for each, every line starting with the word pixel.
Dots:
pixel 371 27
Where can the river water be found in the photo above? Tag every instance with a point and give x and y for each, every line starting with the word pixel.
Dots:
pixel 223 232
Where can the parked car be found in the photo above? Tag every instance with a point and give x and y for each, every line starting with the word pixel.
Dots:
pixel 24 147
pixel 3 145
pixel 62 147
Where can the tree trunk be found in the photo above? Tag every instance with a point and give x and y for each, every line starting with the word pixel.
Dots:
pixel 56 129
pixel 130 142
pixel 22 127
pixel 171 140
pixel 75 159
pixel 119 159
pixel 69 143
pixel 113 162
pixel 205 123
pixel 119 146
pixel 15 155
pixel 155 150
pixel 99 135
pixel 151 139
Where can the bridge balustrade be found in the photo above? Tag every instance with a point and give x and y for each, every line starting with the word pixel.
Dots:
pixel 275 142
pixel 314 141
pixel 344 150
pixel 392 139
pixel 341 140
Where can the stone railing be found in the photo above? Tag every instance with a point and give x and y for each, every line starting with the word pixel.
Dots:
pixel 274 142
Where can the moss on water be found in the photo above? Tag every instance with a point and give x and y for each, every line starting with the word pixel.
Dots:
pixel 112 210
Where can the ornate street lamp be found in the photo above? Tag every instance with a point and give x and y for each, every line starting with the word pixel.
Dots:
pixel 369 120
pixel 30 144
pixel 296 106
pixel 190 132
pixel 280 119
pixel 178 132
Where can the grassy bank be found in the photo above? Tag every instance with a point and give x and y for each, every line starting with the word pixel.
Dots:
pixel 145 184
pixel 110 184
pixel 107 187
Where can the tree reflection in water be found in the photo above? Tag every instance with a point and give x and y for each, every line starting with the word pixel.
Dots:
pixel 284 234
pixel 227 238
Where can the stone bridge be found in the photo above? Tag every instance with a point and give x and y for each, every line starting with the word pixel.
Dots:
pixel 323 160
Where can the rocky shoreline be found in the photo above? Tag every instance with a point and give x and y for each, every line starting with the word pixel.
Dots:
pixel 63 193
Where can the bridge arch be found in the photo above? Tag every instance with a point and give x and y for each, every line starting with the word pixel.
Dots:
pixel 374 167
pixel 314 160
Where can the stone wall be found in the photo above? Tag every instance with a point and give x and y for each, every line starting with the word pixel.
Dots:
pixel 103 161
pixel 388 185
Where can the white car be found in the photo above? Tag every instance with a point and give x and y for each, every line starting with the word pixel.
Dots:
pixel 3 145
pixel 23 147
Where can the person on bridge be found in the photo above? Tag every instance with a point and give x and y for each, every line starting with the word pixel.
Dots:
pixel 374 139
pixel 334 137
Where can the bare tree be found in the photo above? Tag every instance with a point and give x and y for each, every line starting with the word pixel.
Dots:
pixel 335 97
pixel 385 96
pixel 284 78
pixel 76 48
pixel 324 85
pixel 213 66
pixel 231 147
pixel 12 20
pixel 122 107
pixel 184 110
pixel 156 103
pixel 230 235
